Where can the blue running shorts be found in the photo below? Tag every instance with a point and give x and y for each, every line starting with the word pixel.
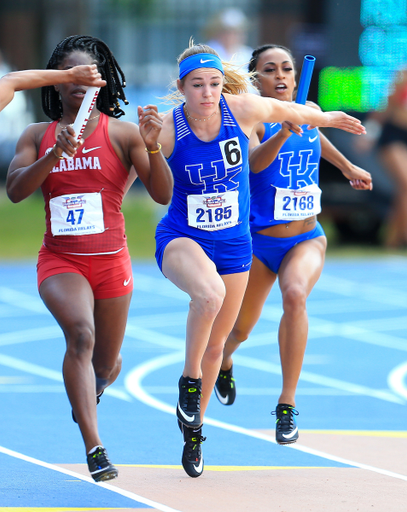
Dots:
pixel 230 256
pixel 271 250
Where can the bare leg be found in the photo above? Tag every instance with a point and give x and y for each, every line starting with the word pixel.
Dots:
pixel 212 359
pixel 188 267
pixel 260 282
pixel 110 325
pixel 70 300
pixel 298 273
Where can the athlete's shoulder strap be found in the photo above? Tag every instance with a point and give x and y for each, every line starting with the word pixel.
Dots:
pixel 181 126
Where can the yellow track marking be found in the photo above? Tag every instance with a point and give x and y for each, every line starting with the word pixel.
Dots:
pixel 222 468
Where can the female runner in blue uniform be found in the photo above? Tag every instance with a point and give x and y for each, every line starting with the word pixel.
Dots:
pixel 203 242
pixel 288 242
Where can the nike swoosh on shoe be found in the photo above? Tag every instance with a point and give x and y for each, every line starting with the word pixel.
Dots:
pixel 291 434
pixel 185 416
pixel 222 400
pixel 199 467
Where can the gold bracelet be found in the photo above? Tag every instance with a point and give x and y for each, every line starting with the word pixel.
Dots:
pixel 53 150
pixel 155 151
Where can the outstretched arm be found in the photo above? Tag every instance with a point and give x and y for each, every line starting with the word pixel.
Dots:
pixel 303 114
pixel 33 78
pixel 358 178
pixel 250 109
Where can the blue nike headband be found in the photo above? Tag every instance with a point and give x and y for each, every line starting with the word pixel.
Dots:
pixel 200 60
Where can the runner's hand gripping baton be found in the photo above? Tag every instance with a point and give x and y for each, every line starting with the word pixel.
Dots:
pixel 305 79
pixel 82 117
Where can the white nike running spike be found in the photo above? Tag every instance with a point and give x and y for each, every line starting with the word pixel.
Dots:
pixel 192 458
pixel 286 428
pixel 189 403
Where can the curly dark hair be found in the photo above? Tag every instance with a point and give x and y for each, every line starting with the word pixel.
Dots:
pixel 108 99
pixel 256 54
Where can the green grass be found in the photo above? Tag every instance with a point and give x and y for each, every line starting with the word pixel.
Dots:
pixel 22 225
pixel 22 228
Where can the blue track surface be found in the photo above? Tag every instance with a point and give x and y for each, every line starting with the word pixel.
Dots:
pixel 354 378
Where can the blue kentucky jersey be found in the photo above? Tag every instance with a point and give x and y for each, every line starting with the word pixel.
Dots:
pixel 215 174
pixel 296 166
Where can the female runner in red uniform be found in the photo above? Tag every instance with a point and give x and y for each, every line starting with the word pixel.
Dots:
pixel 84 268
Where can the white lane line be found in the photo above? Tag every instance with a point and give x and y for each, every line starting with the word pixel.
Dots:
pixel 41 371
pixel 397 380
pixel 359 331
pixel 355 389
pixel 133 383
pixel 88 479
pixel 34 369
pixel 369 292
pixel 173 342
pixel 27 335
pixel 154 337
pixel 22 300
pixel 159 285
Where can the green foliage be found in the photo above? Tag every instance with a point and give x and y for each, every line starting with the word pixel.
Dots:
pixel 22 226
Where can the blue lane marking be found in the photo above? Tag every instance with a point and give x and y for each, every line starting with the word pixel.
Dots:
pixel 28 486
pixel 356 336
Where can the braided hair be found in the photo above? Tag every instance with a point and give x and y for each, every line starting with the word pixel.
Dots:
pixel 108 98
pixel 258 51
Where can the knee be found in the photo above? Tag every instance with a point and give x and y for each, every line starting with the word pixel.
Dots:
pixel 294 299
pixel 105 371
pixel 239 334
pixel 208 302
pixel 80 340
pixel 214 353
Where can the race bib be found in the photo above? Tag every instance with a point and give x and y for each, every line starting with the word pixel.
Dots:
pixel 297 204
pixel 77 214
pixel 212 212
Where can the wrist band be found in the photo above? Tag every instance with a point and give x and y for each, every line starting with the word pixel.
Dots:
pixel 53 150
pixel 155 151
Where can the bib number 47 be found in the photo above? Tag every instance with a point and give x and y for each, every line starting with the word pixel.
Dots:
pixel 75 220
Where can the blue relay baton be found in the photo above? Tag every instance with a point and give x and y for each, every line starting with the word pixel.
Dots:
pixel 305 79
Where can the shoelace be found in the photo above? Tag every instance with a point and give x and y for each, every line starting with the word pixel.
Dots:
pixel 226 378
pixel 285 420
pixel 193 447
pixel 100 459
pixel 192 398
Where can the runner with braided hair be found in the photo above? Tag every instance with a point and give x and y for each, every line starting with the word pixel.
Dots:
pixel 84 268
pixel 109 96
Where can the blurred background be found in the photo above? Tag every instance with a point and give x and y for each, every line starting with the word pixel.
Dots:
pixel 359 45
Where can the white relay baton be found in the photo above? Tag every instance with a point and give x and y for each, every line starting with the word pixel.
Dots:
pixel 82 117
